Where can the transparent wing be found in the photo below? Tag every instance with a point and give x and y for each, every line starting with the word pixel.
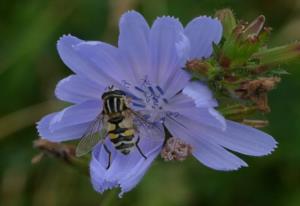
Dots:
pixel 91 137
pixel 146 128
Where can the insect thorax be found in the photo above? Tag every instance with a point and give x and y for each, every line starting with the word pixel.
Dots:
pixel 114 102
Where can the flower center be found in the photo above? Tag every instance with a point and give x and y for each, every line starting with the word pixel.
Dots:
pixel 152 97
pixel 148 96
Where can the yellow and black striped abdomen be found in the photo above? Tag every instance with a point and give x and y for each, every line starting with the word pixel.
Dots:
pixel 122 138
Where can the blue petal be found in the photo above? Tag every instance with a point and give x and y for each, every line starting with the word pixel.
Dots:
pixel 200 93
pixel 125 170
pixel 134 43
pixel 77 89
pixel 64 134
pixel 74 54
pixel 109 62
pixel 216 157
pixel 241 138
pixel 205 114
pixel 209 153
pixel 169 48
pixel 236 137
pixel 70 123
pixel 76 114
pixel 202 33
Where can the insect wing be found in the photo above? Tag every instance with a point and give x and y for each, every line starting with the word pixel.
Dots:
pixel 147 129
pixel 91 137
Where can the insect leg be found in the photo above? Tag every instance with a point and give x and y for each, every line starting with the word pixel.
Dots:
pixel 139 149
pixel 109 156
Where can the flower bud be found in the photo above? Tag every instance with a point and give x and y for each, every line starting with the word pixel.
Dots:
pixel 245 40
pixel 228 21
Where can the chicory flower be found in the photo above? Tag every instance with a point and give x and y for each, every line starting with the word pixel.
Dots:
pixel 148 65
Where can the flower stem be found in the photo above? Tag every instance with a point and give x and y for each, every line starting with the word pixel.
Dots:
pixel 109 198
pixel 64 152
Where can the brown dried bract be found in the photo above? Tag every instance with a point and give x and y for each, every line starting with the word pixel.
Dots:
pixel 197 65
pixel 252 31
pixel 257 91
pixel 175 149
pixel 256 123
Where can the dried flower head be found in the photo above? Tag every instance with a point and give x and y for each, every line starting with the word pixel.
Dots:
pixel 175 149
pixel 257 91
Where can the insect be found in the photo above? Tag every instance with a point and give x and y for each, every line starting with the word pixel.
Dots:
pixel 118 122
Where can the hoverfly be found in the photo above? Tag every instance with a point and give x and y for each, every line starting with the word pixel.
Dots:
pixel 120 124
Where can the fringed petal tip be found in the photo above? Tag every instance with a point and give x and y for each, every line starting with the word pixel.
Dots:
pixel 246 140
pixel 67 38
pixel 234 168
pixel 167 17
pixel 203 31
pixel 44 131
pixel 168 21
pixel 97 179
pixel 42 126
pixel 131 14
pixel 70 123
pixel 216 157
pixel 271 150
pixel 212 21
pixel 213 146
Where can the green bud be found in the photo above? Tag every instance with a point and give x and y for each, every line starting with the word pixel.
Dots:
pixel 245 40
pixel 228 21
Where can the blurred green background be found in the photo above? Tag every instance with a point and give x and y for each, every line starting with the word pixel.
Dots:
pixel 30 68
